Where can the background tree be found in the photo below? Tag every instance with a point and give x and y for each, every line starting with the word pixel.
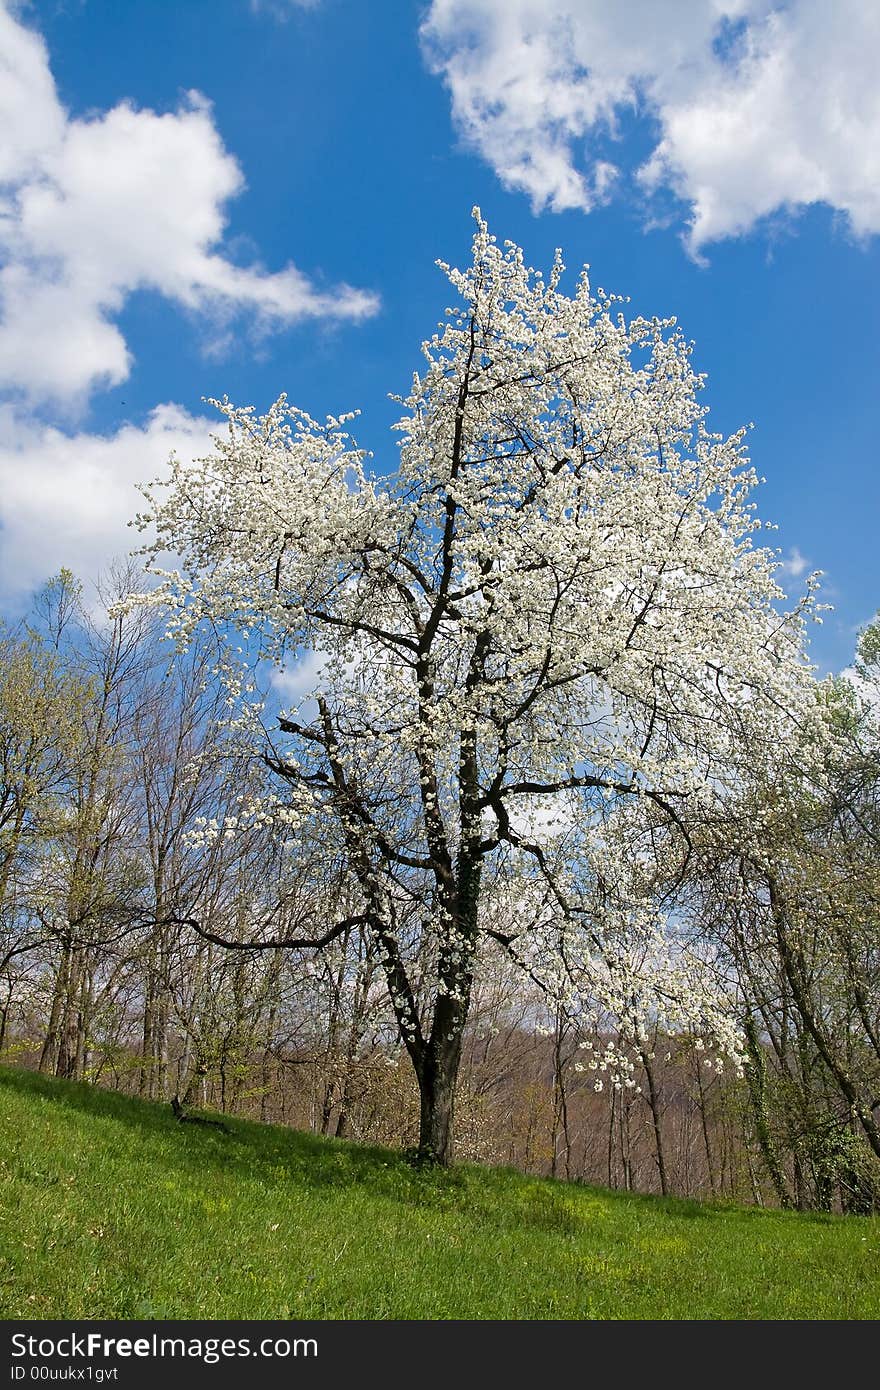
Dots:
pixel 90 896
pixel 789 884
pixel 43 707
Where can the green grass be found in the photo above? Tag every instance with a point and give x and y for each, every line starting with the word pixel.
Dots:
pixel 109 1208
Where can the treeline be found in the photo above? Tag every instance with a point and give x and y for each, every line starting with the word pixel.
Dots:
pixel 118 898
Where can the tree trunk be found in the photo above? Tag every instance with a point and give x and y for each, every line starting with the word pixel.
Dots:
pixel 5 1015
pixel 756 1081
pixel 49 1053
pixel 654 1103
pixel 145 1079
pixel 704 1122
pixel 560 1101
pixel 437 1104
pixel 439 1058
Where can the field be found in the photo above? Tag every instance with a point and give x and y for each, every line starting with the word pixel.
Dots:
pixel 110 1208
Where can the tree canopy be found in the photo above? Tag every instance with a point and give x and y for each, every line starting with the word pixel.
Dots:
pixel 546 642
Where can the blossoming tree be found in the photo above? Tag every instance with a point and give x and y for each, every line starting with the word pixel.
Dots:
pixel 546 640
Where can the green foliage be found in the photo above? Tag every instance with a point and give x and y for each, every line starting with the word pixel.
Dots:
pixel 43 708
pixel 115 1210
pixel 868 658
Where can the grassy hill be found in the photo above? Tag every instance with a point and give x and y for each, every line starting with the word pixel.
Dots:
pixel 110 1208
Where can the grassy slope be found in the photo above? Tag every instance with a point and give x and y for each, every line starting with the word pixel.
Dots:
pixel 110 1208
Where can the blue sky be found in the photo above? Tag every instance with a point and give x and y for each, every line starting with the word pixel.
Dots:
pixel 221 197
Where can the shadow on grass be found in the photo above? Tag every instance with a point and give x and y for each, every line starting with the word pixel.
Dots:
pixel 273 1153
pixel 500 1197
pixel 329 1160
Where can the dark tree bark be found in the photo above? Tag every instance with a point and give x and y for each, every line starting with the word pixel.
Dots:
pixel 654 1104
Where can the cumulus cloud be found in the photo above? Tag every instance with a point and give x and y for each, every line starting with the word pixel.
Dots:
pixel 794 564
pixel 94 209
pixel 67 498
pixel 754 106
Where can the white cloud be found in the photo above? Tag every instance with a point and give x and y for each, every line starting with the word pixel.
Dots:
pixel 759 106
pixel 280 9
pixel 67 498
pixel 31 118
pixel 294 685
pixel 94 209
pixel 794 564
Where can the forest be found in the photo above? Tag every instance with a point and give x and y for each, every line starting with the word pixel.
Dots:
pixel 563 839
pixel 439 678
